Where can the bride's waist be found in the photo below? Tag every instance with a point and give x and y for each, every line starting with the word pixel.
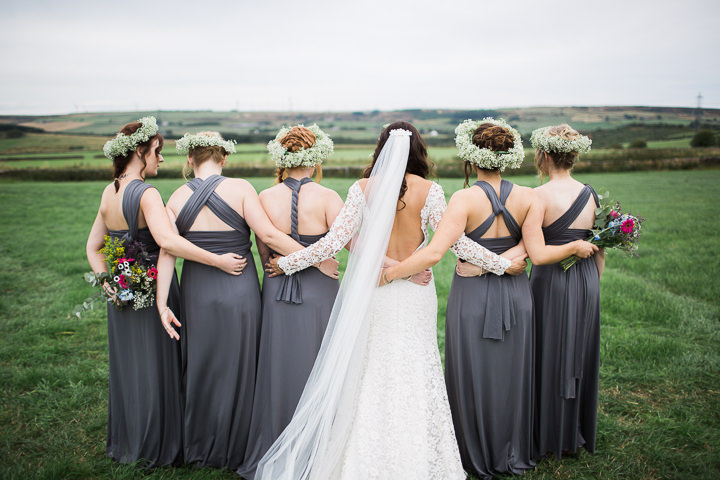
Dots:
pixel 401 287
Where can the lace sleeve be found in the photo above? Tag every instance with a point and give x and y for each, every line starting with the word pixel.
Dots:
pixel 346 224
pixel 464 247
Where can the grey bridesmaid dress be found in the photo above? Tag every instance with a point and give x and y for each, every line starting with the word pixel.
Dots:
pixel 567 316
pixel 222 327
pixel 489 357
pixel 144 394
pixel 296 309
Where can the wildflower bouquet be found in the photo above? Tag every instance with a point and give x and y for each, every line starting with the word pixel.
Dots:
pixel 132 277
pixel 612 229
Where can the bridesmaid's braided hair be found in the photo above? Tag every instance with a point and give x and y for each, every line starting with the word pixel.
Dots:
pixel 417 164
pixel 121 163
pixel 298 138
pixel 492 137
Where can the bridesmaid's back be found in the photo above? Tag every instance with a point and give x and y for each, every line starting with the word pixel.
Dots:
pixel 558 196
pixel 317 207
pixel 517 203
pixel 111 209
pixel 231 190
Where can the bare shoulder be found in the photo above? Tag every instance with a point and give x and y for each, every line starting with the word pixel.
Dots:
pixel 524 197
pixel 108 192
pixel 462 195
pixel 543 191
pixel 270 192
pixel 462 199
pixel 178 198
pixel 328 194
pixel 523 192
pixel 238 184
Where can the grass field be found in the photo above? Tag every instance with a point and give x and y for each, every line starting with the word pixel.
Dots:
pixel 659 380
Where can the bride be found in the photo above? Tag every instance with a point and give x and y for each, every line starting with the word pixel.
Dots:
pixel 375 404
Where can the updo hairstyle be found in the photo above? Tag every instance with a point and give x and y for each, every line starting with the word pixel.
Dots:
pixel 298 138
pixel 200 155
pixel 493 137
pixel 561 160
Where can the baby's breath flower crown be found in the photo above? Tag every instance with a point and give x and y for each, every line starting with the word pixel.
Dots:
pixel 306 157
pixel 123 144
pixel 540 140
pixel 484 157
pixel 189 141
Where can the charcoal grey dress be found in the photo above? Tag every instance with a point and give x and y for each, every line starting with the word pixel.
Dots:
pixel 144 394
pixel 489 357
pixel 567 337
pixel 296 309
pixel 222 327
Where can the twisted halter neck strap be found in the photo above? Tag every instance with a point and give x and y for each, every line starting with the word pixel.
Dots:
pixel 295 185
pixel 290 291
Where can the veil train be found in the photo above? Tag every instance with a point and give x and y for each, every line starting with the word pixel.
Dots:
pixel 312 445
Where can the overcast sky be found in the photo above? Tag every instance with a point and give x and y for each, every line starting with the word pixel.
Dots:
pixel 97 55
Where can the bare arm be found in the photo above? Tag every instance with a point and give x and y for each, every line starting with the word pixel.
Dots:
pixel 96 241
pixel 163 233
pixel 467 269
pixel 263 250
pixel 166 268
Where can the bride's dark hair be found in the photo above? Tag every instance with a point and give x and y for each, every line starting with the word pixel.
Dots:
pixel 417 164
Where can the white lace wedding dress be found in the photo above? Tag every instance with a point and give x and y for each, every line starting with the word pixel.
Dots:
pixel 401 426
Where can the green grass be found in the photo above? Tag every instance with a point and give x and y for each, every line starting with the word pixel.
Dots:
pixel 659 384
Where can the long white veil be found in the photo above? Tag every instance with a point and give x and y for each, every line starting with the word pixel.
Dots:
pixel 312 445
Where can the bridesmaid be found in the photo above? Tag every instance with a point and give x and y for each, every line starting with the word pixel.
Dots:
pixel 489 331
pixel 567 304
pixel 144 394
pixel 222 312
pixel 296 308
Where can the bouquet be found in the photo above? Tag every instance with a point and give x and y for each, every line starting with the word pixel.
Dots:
pixel 612 229
pixel 132 277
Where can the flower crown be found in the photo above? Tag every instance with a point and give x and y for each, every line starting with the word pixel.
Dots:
pixel 122 144
pixel 306 157
pixel 540 140
pixel 484 157
pixel 189 142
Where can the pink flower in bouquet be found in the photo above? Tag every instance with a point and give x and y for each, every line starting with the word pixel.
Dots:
pixel 152 273
pixel 614 214
pixel 627 226
pixel 123 281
